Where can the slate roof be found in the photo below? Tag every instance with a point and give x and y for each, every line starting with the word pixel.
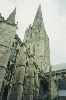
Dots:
pixel 57 67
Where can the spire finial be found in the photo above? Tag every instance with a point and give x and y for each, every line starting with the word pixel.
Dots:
pixel 39 13
pixel 38 21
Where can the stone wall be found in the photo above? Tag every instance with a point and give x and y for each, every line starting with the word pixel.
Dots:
pixel 33 55
pixel 7 34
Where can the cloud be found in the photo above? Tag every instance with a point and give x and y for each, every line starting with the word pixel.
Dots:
pixel 12 1
pixel 61 6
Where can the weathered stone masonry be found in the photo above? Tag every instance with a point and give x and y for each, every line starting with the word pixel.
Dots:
pixel 21 62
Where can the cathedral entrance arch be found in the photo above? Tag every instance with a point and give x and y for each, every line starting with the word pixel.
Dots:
pixel 44 89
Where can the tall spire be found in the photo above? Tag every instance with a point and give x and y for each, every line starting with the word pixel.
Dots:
pixel 37 30
pixel 11 18
pixel 38 21
pixel 39 13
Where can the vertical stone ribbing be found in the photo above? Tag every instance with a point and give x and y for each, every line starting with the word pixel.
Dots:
pixel 36 82
pixel 29 80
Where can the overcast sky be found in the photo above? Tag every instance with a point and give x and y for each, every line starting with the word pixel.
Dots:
pixel 54 16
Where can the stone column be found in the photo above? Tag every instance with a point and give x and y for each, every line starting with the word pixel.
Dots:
pixel 29 80
pixel 36 83
pixel 17 88
pixel 54 89
pixel 2 74
pixel 20 80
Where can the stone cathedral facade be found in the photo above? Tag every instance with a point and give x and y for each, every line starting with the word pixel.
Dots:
pixel 23 64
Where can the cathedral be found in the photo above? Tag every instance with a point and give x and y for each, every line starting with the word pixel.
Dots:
pixel 25 69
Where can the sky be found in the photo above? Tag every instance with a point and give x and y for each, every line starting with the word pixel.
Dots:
pixel 54 17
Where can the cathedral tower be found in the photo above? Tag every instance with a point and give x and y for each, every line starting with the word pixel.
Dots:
pixel 38 42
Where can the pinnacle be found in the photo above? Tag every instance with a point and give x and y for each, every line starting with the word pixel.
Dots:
pixel 11 18
pixel 39 7
pixel 1 18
